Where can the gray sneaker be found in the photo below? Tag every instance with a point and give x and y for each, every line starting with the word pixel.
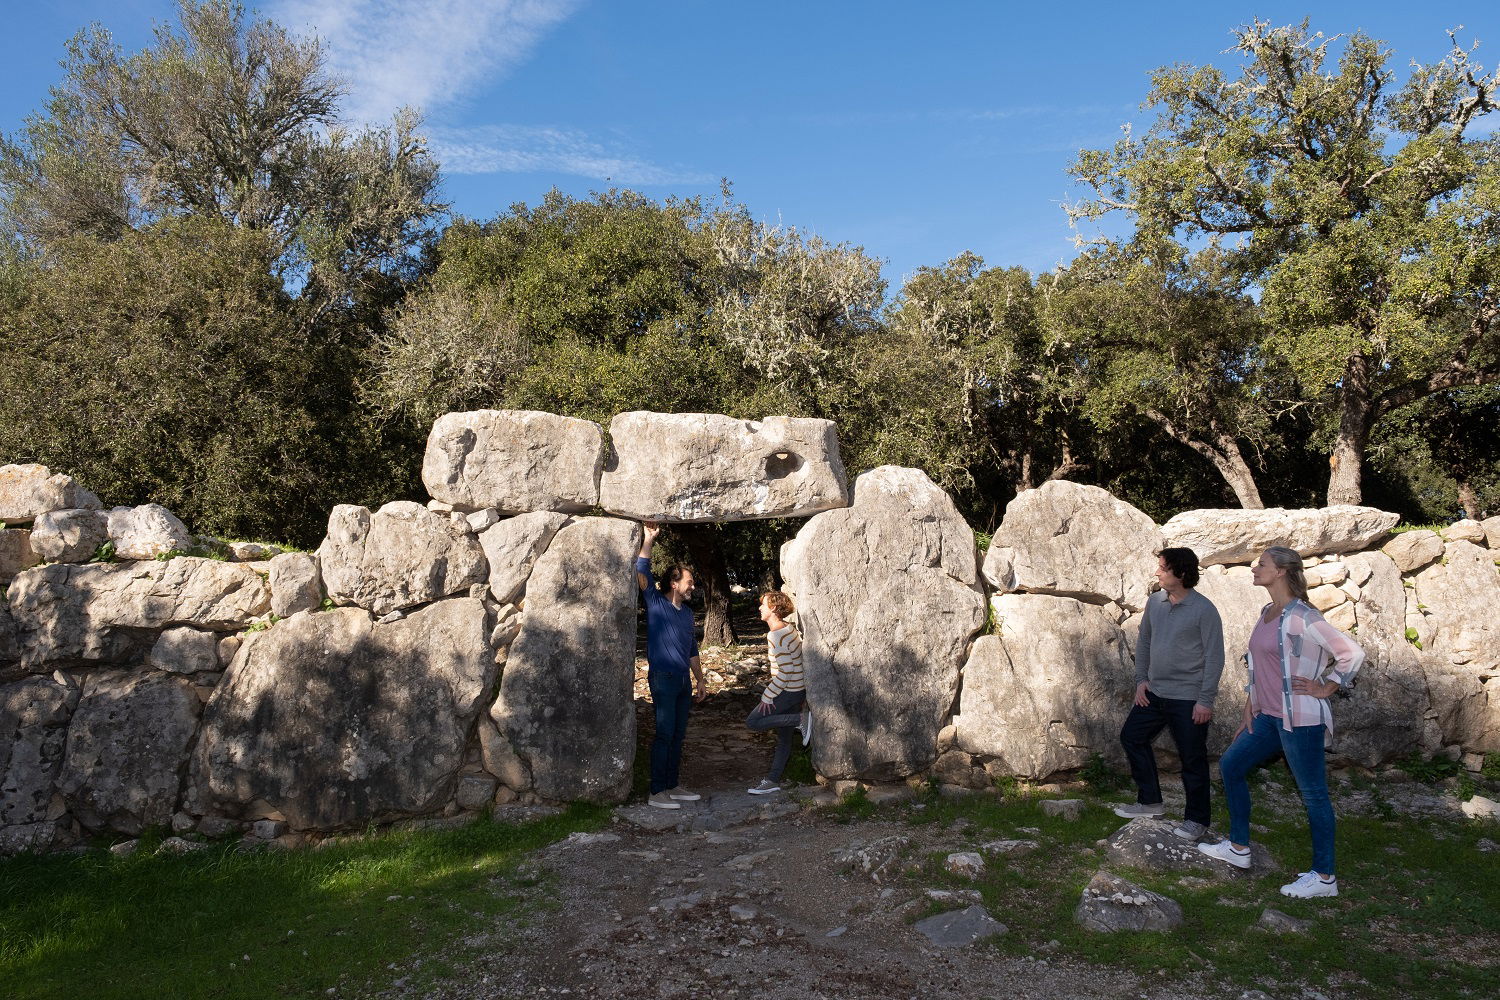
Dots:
pixel 804 726
pixel 1137 810
pixel 683 795
pixel 1190 830
pixel 661 800
pixel 766 787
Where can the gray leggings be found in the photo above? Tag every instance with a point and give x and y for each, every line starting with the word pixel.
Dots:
pixel 785 713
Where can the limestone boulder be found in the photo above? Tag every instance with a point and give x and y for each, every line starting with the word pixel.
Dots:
pixel 1110 904
pixel 1466 530
pixel 296 584
pixel 511 548
pixel 1239 602
pixel 336 721
pixel 34 715
pixel 69 535
pixel 514 460
pixel 686 467
pixel 1050 689
pixel 127 750
pixel 1459 597
pixel 398 557
pixel 1072 540
pixel 27 491
pixel 16 553
pixel 888 600
pixel 185 651
pixel 565 707
pixel 1411 550
pixel 146 532
pixel 1384 717
pixel 108 612
pixel 1150 845
pixel 1230 537
pixel 1491 526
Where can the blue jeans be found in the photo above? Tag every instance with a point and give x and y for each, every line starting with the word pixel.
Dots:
pixel 1303 747
pixel 672 699
pixel 786 712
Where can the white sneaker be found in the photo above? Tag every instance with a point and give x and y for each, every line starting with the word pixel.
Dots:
pixel 683 795
pixel 804 726
pixel 1310 885
pixel 766 787
pixel 662 801
pixel 1224 851
pixel 1135 810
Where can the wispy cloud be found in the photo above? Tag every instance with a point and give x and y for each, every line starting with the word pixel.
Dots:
pixel 488 149
pixel 394 53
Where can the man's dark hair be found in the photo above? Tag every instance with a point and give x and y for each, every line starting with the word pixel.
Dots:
pixel 1183 563
pixel 673 574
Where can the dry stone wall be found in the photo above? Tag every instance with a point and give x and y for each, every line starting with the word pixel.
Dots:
pixel 444 658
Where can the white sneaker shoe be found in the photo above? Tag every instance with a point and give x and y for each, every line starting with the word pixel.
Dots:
pixel 766 787
pixel 1310 885
pixel 1224 851
pixel 804 726
pixel 663 801
pixel 683 795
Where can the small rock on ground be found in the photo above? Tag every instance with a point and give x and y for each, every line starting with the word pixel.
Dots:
pixel 958 928
pixel 1282 923
pixel 1111 904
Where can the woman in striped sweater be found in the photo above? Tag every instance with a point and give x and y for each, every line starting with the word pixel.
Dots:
pixel 783 705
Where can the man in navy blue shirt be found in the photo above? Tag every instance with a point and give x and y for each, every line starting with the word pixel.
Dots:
pixel 672 668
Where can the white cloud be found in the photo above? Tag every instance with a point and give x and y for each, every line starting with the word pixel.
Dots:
pixel 394 53
pixel 488 149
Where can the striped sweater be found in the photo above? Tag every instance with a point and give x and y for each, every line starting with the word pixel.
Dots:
pixel 784 647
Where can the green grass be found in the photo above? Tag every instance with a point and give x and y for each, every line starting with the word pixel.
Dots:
pixel 1398 529
pixel 1419 910
pixel 103 927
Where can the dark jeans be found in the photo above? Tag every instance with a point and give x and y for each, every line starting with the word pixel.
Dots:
pixel 1303 748
pixel 672 698
pixel 785 713
pixel 1141 727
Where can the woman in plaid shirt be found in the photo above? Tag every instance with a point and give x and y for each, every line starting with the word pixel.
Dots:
pixel 1296 662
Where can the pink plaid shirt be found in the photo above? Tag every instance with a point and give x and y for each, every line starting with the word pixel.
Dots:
pixel 1308 644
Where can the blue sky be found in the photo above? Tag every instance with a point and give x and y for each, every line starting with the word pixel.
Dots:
pixel 917 130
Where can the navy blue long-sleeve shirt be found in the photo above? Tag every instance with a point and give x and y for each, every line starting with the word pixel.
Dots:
pixel 670 641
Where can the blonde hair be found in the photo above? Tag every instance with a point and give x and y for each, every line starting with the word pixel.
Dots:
pixel 1288 559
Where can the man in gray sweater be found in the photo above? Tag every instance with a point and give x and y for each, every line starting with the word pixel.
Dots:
pixel 1179 656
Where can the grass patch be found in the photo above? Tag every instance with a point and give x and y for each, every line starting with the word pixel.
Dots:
pixel 122 928
pixel 1419 911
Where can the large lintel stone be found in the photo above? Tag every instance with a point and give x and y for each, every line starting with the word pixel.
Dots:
pixel 1227 537
pixel 691 467
pixel 514 460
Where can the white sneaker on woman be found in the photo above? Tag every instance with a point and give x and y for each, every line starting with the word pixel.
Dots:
pixel 1226 852
pixel 1310 885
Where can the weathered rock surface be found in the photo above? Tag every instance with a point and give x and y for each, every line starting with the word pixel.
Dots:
pixel 1461 595
pixel 1385 717
pixel 185 651
pixel 1150 845
pixel 686 467
pixel 958 928
pixel 1240 603
pixel 1491 526
pixel 1050 689
pixel 10 648
pixel 29 490
pixel 1072 540
pixel 146 532
pixel 565 706
pixel 1112 904
pixel 98 613
pixel 398 557
pixel 1466 530
pixel 511 548
pixel 16 553
pixel 336 721
pixel 126 748
pixel 1281 923
pixel 514 460
pixel 888 599
pixel 34 715
pixel 296 584
pixel 69 535
pixel 1411 550
pixel 1240 536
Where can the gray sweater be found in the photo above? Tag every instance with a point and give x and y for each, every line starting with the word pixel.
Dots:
pixel 1180 650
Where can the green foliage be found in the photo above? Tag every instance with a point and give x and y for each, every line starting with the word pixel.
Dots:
pixel 1429 770
pixel 1099 776
pixel 1491 768
pixel 105 553
pixel 264 624
pixel 1413 637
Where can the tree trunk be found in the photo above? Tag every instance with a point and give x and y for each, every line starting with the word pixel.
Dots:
pixel 707 555
pixel 1469 501
pixel 1356 413
pixel 1230 462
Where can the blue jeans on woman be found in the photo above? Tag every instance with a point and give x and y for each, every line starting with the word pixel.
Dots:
pixel 672 700
pixel 785 714
pixel 1303 748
